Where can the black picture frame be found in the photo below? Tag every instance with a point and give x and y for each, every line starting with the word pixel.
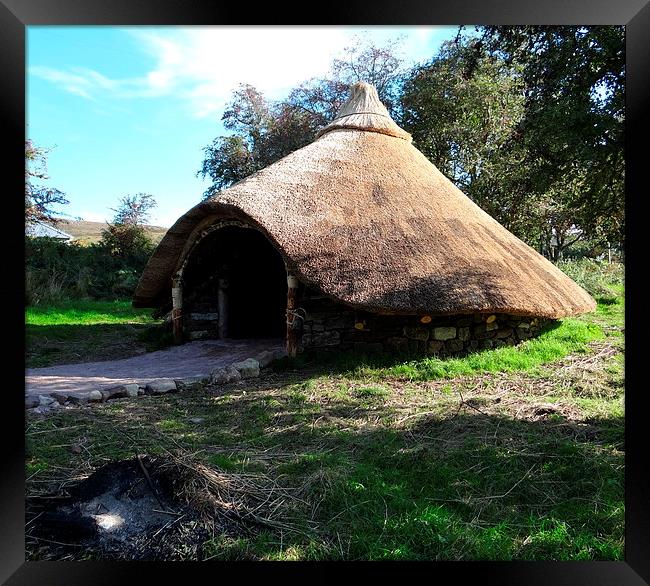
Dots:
pixel 15 15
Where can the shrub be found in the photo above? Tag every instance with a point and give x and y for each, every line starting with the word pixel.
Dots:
pixel 602 280
pixel 55 271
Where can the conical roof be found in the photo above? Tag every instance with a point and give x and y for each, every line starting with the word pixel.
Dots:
pixel 364 217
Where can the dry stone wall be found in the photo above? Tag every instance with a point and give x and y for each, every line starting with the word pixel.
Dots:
pixel 330 326
pixel 201 313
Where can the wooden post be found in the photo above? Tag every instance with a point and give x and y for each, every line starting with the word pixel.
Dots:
pixel 222 303
pixel 292 305
pixel 177 310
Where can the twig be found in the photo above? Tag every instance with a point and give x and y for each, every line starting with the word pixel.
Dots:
pixel 167 525
pixel 34 519
pixel 151 486
pixel 167 512
pixel 55 542
pixel 511 488
pixel 55 429
pixel 32 476
pixel 419 413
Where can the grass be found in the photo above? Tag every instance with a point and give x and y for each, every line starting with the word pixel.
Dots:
pixel 570 336
pixel 559 339
pixel 86 313
pixel 515 453
pixel 88 330
pixel 508 454
pixel 604 281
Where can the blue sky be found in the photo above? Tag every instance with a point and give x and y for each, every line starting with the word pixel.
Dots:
pixel 129 109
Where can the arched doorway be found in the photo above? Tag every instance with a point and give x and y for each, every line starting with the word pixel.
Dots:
pixel 235 286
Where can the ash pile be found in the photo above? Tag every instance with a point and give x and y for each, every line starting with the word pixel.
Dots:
pixel 129 510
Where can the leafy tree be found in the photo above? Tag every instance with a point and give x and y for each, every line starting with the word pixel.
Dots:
pixel 134 209
pixel 361 61
pixel 528 121
pixel 126 236
pixel 573 123
pixel 39 199
pixel 463 109
pixel 264 132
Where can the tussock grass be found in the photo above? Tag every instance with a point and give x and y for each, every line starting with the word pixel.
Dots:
pixel 604 281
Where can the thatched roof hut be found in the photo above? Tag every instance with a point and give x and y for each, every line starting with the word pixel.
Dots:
pixel 362 216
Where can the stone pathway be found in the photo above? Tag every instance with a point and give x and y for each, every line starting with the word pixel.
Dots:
pixel 193 359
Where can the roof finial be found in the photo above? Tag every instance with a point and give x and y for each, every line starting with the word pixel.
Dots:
pixel 363 100
pixel 363 110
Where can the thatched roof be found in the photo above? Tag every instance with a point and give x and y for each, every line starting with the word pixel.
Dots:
pixel 364 217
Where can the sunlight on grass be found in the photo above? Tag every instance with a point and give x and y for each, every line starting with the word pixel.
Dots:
pixel 386 469
pixel 570 336
pixel 89 312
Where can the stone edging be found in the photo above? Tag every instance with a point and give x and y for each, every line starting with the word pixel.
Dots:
pixel 241 370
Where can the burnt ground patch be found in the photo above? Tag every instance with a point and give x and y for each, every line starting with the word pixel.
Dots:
pixel 144 508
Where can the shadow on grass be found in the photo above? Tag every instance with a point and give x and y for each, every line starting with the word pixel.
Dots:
pixel 51 345
pixel 460 484
pixel 456 480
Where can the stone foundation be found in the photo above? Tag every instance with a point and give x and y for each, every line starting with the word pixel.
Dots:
pixel 329 326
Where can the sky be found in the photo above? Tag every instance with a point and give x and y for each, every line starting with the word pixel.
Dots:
pixel 129 109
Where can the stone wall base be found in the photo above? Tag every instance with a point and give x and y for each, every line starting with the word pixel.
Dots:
pixel 329 326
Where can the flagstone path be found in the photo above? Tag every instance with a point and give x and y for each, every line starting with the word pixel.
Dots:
pixel 187 360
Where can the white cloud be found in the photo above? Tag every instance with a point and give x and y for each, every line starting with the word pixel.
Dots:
pixel 74 83
pixel 93 216
pixel 203 65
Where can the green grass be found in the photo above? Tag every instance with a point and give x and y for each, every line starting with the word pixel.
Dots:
pixel 566 336
pixel 450 484
pixel 570 336
pixel 515 453
pixel 87 313
pixel 88 330
pixel 602 280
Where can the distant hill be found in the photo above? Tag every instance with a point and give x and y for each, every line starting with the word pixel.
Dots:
pixel 88 232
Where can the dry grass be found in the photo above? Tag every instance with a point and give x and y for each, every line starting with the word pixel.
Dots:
pixel 88 232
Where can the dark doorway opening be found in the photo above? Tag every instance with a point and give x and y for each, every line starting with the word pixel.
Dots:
pixel 238 274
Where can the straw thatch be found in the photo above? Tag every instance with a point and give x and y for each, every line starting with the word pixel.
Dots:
pixel 363 216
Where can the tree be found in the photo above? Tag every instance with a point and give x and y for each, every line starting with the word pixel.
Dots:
pixel 528 121
pixel 264 132
pixel 377 65
pixel 135 209
pixel 39 199
pixel 463 110
pixel 573 123
pixel 126 236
